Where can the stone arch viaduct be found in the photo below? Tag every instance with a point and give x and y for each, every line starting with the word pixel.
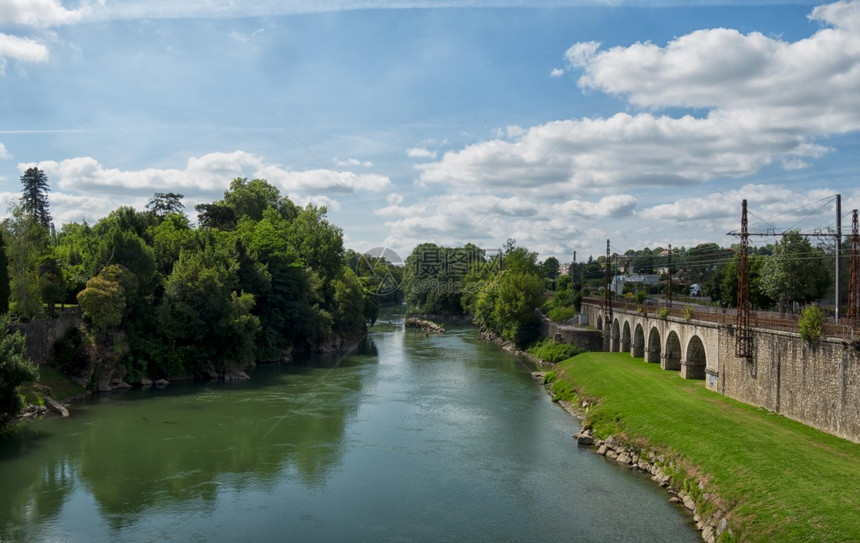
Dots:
pixel 815 383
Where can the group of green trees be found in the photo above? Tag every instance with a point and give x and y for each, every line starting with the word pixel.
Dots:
pixel 258 276
pixel 784 276
pixel 501 290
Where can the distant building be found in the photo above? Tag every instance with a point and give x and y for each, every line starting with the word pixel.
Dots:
pixel 617 285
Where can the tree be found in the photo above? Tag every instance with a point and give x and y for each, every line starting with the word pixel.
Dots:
pixel 702 260
pixel 15 370
pixel 163 204
pixel 34 201
pixel 25 241
pixel 216 215
pixel 796 273
pixel 251 198
pixel 103 302
pixel 549 269
pixel 5 291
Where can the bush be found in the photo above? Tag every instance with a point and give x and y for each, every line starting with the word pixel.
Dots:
pixel 663 313
pixel 811 323
pixel 15 370
pixel 553 352
pixel 558 314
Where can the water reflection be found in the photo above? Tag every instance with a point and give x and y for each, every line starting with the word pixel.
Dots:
pixel 134 452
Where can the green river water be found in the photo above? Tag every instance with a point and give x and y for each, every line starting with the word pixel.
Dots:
pixel 414 438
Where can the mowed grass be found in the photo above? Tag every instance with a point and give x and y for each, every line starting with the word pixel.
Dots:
pixel 779 480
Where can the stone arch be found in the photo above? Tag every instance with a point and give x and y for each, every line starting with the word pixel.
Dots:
pixel 625 337
pixel 654 348
pixel 672 358
pixel 616 336
pixel 639 342
pixel 696 359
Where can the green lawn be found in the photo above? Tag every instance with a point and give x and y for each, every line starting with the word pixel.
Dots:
pixel 780 480
pixel 62 388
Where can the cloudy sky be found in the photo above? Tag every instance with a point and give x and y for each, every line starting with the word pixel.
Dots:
pixel 559 123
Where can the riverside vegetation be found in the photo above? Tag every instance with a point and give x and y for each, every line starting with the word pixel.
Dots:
pixel 774 479
pixel 256 279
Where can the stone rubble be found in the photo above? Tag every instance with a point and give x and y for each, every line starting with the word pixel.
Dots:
pixel 657 466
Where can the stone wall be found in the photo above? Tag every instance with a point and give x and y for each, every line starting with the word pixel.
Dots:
pixel 816 384
pixel 42 334
pixel 589 340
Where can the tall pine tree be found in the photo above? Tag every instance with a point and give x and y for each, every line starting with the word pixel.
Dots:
pixel 34 200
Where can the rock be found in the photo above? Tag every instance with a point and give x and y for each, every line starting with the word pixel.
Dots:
pixel 56 407
pixel 235 374
pixel 144 382
pixel 674 500
pixel 162 383
pixel 584 405
pixel 661 479
pixel 122 385
pixel 612 455
pixel 610 442
pixel 708 534
pixel 623 458
pixel 601 449
pixel 585 440
pixel 426 326
pixel 721 527
pixel 689 503
pixel 539 375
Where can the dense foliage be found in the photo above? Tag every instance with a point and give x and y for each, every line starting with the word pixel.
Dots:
pixel 15 370
pixel 258 277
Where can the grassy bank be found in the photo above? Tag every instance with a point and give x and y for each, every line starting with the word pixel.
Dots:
pixel 779 480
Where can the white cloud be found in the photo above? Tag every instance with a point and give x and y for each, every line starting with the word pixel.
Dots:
pixel 556 73
pixel 22 49
pixel 807 86
pixel 419 152
pixel 38 13
pixel 208 173
pixel 773 207
pixel 624 150
pixel 353 162
pixel 613 206
pixel 768 100
pixel 580 54
pixel 317 181
pixel 3 152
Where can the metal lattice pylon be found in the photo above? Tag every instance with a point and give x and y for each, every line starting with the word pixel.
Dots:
pixel 607 297
pixel 854 280
pixel 743 333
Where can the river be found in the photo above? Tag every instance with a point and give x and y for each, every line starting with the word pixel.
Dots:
pixel 413 438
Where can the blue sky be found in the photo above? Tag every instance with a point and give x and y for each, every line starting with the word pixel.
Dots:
pixel 559 124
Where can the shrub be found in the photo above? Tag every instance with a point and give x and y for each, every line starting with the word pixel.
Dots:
pixel 551 351
pixel 558 314
pixel 663 313
pixel 688 312
pixel 811 323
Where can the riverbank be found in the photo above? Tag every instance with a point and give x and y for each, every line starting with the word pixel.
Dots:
pixel 748 474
